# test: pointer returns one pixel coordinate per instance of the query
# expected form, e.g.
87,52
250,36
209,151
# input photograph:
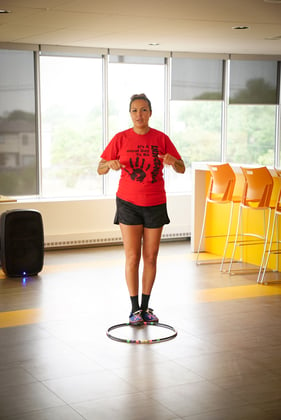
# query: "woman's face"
140,114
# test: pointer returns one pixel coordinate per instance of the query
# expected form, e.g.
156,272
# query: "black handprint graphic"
138,173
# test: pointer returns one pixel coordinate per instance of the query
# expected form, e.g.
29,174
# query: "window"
129,75
196,132
84,101
196,79
252,112
71,110
196,113
17,120
251,134
25,139
253,82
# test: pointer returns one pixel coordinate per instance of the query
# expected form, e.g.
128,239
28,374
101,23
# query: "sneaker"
148,316
135,318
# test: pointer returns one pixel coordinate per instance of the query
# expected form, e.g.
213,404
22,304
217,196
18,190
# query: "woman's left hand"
177,164
168,159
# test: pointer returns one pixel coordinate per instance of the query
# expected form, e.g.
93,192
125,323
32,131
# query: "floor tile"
239,413
128,407
194,398
100,384
157,375
21,399
57,413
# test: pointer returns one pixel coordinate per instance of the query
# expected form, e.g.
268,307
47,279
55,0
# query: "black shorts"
150,217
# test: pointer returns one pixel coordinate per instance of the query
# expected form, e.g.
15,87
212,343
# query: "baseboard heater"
99,239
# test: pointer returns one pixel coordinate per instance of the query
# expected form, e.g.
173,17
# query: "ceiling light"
154,44
240,27
4,11
273,38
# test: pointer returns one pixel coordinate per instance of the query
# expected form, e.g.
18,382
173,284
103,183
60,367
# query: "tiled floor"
56,362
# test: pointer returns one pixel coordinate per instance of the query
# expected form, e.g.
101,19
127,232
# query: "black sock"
135,303
144,302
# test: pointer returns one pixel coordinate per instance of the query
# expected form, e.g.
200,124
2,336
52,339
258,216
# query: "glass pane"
17,124
124,81
251,134
196,132
196,79
71,107
136,59
253,82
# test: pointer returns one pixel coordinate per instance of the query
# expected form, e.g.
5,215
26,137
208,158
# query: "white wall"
90,221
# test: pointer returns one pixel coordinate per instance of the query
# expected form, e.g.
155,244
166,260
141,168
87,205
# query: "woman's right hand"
115,165
105,165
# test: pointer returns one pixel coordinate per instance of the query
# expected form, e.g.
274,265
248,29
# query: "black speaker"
22,242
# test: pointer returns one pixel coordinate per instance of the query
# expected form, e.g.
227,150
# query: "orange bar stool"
274,242
221,187
256,198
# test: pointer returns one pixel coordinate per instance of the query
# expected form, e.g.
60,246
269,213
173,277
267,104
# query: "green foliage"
196,127
251,134
21,115
196,130
257,91
76,145
21,181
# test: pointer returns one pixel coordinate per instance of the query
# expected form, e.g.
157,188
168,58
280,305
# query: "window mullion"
225,102
278,119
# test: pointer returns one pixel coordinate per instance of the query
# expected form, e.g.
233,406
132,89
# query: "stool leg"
266,227
202,232
236,237
227,236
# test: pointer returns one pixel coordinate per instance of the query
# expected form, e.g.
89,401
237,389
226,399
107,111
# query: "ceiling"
177,25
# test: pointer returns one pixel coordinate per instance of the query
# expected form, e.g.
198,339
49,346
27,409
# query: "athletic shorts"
150,217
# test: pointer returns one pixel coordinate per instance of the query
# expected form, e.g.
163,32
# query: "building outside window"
18,175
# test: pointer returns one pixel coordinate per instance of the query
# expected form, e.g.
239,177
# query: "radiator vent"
82,243
77,241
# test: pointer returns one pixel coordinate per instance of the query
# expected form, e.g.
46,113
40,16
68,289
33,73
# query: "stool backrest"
278,203
257,187
222,182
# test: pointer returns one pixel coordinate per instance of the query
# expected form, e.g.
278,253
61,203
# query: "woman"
140,153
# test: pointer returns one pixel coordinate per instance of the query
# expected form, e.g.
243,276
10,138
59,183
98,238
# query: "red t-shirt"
141,180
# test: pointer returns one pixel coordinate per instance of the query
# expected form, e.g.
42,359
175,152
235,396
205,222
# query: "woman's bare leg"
151,242
132,239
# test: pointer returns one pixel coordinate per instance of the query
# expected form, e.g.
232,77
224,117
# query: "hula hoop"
151,341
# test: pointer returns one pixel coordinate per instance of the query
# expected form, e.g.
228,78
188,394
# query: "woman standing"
140,153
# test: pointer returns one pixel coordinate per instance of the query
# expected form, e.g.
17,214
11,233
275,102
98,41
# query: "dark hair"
140,96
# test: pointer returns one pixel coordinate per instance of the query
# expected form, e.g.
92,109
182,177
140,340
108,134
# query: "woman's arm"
177,164
105,165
